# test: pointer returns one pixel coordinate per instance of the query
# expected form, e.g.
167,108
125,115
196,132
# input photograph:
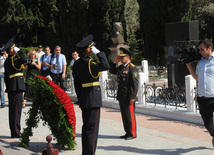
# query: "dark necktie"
57,62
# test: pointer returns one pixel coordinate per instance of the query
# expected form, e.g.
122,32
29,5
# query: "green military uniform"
127,76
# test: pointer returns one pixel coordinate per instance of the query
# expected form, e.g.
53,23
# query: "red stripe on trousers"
133,120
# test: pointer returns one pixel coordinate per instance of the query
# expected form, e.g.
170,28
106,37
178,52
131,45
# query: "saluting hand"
117,59
131,101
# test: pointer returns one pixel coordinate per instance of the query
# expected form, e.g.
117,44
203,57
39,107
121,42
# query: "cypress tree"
153,16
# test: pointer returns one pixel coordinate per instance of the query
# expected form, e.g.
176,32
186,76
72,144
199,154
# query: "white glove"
95,50
16,49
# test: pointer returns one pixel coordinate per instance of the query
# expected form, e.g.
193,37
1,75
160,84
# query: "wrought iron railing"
172,96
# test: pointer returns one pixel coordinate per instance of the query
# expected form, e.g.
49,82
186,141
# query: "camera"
29,60
55,66
189,53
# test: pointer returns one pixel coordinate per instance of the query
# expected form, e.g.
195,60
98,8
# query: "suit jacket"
85,71
13,65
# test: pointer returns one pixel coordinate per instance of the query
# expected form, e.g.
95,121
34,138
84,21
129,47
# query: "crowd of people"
86,72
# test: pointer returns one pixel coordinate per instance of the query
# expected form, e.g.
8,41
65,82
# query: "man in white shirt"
57,64
39,53
3,57
204,75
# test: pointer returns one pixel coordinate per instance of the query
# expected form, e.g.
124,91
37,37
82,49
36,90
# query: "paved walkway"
155,136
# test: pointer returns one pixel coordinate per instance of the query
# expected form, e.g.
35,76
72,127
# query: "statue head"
118,27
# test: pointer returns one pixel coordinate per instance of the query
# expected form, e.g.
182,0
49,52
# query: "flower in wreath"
51,104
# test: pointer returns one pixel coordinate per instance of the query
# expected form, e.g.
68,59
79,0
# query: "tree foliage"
204,12
65,22
153,16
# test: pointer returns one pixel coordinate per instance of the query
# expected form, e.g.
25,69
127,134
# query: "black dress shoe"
129,138
124,136
2,106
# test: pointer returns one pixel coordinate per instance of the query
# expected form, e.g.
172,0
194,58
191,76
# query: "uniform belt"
16,74
90,84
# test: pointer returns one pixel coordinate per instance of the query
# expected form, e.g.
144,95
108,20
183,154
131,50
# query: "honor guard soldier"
127,75
86,72
15,85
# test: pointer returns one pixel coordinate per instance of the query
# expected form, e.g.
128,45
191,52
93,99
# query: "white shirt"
60,64
39,54
205,72
2,60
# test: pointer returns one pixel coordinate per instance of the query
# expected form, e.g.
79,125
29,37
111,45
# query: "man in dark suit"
86,72
127,75
15,85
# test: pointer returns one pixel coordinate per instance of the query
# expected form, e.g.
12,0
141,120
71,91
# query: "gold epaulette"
132,64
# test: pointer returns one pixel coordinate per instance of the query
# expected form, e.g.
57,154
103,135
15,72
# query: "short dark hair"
57,46
47,47
74,52
206,42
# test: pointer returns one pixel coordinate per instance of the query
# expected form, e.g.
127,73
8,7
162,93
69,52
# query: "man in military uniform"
127,75
86,72
15,85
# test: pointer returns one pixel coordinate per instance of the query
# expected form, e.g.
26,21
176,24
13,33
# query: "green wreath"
54,107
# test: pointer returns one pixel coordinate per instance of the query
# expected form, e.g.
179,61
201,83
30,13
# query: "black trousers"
90,129
15,110
206,108
57,78
128,116
45,72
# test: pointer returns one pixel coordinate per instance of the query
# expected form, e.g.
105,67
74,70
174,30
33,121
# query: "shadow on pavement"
152,151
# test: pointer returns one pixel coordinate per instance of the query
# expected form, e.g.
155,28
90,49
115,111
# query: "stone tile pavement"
155,136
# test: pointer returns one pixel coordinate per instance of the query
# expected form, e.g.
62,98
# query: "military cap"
40,46
124,52
9,45
86,42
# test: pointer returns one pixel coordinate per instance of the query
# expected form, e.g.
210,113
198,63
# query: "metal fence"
173,96
156,94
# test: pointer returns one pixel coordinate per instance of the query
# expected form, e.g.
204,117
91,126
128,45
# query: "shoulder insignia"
132,64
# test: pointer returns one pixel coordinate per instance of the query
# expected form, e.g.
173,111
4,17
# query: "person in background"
204,75
15,85
127,75
40,52
86,72
57,64
45,71
33,66
75,56
3,57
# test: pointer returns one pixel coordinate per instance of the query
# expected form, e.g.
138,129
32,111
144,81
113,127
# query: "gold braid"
89,67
